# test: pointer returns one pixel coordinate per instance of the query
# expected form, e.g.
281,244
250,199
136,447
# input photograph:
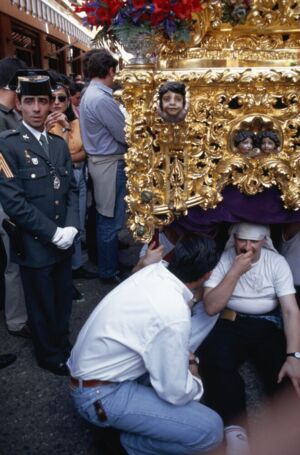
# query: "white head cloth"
249,231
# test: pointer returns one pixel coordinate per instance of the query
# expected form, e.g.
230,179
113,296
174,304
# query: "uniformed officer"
39,194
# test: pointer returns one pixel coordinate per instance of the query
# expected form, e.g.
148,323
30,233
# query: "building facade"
43,33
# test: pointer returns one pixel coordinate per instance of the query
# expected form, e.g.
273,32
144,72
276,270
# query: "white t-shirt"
257,290
142,326
290,249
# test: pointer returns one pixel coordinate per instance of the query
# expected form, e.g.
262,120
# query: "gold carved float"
237,78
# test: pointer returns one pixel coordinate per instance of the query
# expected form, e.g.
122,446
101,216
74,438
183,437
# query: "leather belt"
89,382
230,315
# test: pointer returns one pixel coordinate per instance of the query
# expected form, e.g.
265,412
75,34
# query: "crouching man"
130,364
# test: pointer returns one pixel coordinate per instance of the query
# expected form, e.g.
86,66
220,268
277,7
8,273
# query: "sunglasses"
61,98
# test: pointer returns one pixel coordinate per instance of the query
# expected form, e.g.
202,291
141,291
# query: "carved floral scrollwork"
174,166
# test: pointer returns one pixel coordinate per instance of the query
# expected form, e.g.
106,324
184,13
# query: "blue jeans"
81,185
107,230
148,424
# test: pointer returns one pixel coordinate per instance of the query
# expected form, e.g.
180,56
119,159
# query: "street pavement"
36,415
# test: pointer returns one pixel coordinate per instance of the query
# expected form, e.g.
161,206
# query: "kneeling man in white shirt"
130,366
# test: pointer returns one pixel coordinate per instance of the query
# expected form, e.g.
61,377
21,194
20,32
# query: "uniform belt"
231,315
88,383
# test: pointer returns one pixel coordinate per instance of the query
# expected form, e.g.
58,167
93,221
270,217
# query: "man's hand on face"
242,263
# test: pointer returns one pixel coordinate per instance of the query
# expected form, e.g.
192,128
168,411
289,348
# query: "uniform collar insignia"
25,136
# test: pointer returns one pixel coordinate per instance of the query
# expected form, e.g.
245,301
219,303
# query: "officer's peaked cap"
32,82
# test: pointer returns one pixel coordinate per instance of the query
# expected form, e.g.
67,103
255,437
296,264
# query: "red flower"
161,6
114,6
139,4
104,15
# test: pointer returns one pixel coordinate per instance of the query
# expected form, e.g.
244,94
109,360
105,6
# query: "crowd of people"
189,305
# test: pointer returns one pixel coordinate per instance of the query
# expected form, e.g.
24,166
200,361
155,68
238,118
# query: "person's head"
75,93
269,141
244,141
60,101
33,99
172,98
85,62
194,257
103,65
250,237
78,78
8,68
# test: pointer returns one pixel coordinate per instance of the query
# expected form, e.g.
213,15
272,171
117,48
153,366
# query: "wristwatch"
65,129
196,361
294,354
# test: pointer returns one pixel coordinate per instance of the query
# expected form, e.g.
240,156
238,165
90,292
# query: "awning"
49,13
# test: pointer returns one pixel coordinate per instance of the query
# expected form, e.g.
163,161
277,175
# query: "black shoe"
84,274
76,295
60,369
25,332
7,359
115,280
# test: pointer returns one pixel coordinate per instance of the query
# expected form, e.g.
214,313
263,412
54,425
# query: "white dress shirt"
37,134
142,326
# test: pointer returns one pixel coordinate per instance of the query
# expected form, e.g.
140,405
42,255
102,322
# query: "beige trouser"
15,310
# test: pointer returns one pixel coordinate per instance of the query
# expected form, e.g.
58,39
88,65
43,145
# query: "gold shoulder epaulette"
4,167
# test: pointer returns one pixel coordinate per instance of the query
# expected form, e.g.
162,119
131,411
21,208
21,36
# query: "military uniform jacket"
29,196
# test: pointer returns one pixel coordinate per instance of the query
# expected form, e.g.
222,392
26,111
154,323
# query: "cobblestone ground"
36,416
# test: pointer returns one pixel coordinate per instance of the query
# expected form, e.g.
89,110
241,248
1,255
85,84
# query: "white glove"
57,235
67,237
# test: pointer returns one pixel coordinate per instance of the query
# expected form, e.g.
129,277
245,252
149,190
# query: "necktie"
44,144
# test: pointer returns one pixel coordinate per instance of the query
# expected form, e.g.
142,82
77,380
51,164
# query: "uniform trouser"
15,309
226,348
48,296
148,424
77,260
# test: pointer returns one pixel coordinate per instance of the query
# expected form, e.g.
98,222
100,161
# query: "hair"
193,257
75,87
271,135
242,135
58,79
100,64
69,111
171,86
8,68
85,61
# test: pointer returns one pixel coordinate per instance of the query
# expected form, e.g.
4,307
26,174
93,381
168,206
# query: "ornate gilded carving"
172,167
237,79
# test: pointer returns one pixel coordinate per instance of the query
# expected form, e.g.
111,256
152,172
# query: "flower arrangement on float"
123,20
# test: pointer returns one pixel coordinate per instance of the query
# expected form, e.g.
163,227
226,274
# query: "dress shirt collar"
103,87
183,289
37,134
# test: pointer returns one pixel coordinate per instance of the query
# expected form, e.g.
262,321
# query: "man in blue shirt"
102,127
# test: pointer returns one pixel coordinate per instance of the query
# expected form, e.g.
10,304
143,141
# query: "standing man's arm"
216,299
291,321
72,215
14,202
112,118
